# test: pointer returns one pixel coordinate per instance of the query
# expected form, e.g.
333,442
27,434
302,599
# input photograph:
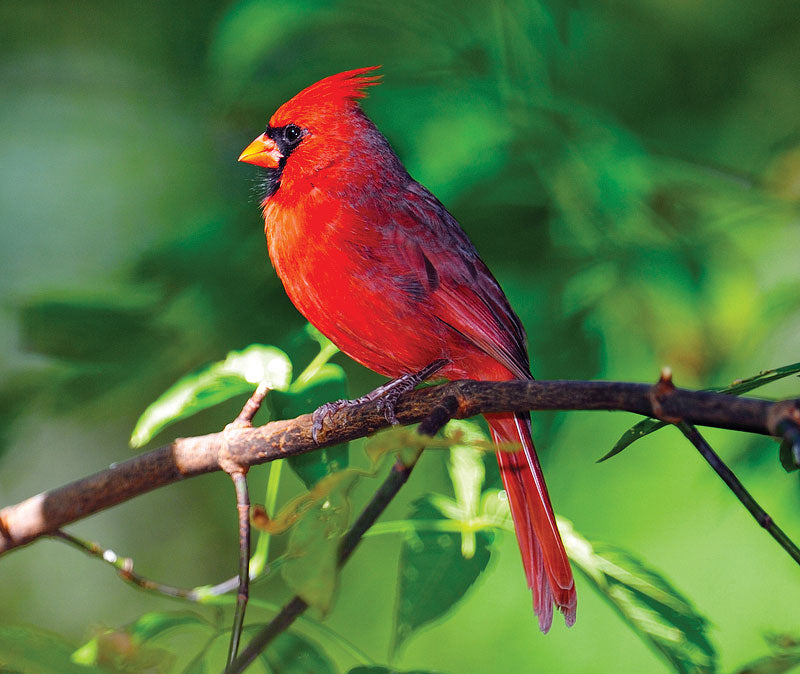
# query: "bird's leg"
386,395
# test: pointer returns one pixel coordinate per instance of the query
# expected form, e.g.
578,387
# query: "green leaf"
786,657
152,625
198,665
644,427
646,601
494,509
434,575
118,651
239,373
467,473
650,425
326,384
25,648
290,653
466,464
94,328
761,379
311,569
129,647
325,344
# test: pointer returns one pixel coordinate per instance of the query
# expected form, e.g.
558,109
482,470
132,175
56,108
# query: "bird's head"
316,127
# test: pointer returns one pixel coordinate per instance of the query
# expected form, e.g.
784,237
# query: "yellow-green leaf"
239,373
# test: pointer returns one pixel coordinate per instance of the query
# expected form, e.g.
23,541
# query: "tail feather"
546,565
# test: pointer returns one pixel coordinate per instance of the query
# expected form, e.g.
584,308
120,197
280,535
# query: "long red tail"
546,566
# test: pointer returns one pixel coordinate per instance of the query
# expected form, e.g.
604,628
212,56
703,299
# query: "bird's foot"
387,396
319,415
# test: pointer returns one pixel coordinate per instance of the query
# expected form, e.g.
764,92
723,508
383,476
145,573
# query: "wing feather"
465,294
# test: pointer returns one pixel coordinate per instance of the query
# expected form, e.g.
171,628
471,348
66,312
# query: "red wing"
461,290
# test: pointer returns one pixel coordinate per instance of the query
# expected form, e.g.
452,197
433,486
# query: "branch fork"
241,446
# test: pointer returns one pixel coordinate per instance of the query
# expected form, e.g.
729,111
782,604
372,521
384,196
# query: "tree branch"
47,512
733,483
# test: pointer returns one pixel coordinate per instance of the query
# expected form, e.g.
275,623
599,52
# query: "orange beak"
263,151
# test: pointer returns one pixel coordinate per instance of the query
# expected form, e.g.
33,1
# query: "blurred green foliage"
629,170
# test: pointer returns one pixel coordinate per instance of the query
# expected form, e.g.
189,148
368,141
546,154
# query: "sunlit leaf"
654,609
467,473
466,463
239,373
311,569
647,426
29,649
494,509
434,575
446,506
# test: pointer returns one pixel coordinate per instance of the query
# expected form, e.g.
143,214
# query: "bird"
373,260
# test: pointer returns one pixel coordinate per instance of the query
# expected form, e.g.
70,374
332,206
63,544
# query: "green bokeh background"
629,170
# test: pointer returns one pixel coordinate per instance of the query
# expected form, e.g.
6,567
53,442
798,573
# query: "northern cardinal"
374,260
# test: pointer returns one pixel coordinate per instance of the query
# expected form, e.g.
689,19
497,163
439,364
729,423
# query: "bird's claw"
319,415
323,412
387,405
386,397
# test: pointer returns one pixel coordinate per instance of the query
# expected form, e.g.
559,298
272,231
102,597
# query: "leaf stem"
326,352
258,562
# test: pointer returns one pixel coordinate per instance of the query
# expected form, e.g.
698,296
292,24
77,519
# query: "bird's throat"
269,181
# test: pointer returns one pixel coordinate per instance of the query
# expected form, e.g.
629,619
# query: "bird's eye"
292,134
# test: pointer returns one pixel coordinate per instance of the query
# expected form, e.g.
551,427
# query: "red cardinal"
373,259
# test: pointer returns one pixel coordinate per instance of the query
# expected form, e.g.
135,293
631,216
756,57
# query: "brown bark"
45,513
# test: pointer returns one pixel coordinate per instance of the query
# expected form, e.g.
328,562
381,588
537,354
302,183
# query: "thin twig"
238,474
251,407
124,567
243,509
738,488
397,477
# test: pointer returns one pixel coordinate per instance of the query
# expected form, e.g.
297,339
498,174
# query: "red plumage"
376,263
